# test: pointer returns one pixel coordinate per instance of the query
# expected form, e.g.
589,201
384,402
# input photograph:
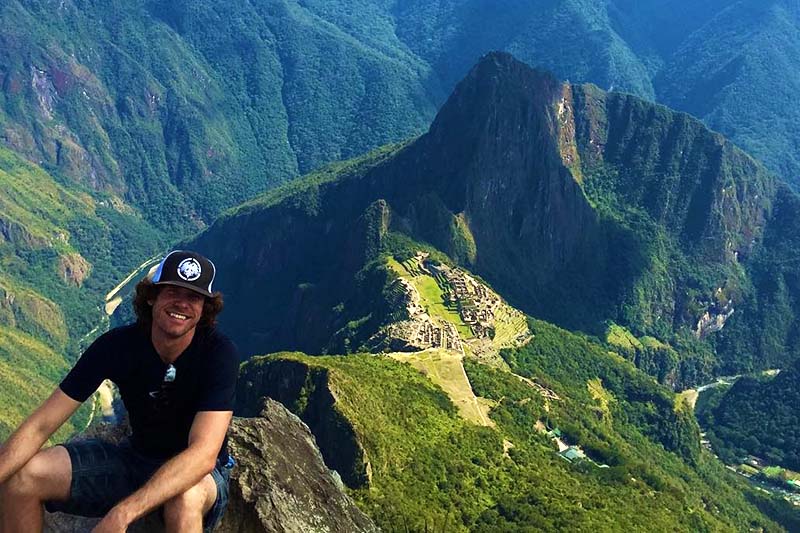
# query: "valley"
478,284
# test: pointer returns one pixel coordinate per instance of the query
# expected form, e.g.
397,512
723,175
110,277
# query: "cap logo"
189,269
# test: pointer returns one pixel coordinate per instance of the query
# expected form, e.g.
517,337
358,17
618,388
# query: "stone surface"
280,484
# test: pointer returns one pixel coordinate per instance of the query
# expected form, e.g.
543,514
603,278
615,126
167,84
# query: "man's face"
176,311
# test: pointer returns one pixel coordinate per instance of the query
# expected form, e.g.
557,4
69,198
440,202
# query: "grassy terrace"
508,326
445,369
431,294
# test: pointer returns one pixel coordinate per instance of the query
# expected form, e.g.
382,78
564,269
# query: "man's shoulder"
216,345
214,338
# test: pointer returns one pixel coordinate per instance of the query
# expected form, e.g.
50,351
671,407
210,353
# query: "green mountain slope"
732,64
578,206
413,463
60,252
184,112
746,53
757,417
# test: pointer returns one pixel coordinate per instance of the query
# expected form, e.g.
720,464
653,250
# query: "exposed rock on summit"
282,484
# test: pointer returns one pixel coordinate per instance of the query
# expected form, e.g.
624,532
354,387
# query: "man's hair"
147,291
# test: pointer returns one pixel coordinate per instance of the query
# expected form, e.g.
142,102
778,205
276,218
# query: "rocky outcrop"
280,483
307,391
73,268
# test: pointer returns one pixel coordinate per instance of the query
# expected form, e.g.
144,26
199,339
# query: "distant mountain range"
185,108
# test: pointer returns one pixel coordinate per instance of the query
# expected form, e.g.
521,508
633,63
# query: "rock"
280,483
73,268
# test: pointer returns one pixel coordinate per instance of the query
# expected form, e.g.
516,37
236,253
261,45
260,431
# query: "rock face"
280,484
576,205
73,269
307,391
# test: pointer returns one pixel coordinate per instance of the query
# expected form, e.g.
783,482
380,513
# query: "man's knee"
46,476
191,504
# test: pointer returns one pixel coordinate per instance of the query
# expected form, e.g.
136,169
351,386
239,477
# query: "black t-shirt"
161,402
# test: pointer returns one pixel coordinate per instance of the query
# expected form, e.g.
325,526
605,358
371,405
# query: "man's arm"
34,432
177,475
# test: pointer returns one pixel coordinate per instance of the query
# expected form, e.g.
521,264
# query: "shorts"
103,474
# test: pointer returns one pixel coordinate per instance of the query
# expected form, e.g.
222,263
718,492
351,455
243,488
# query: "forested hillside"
61,250
413,463
186,108
757,417
183,111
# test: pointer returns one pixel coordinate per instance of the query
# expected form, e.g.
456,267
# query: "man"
177,376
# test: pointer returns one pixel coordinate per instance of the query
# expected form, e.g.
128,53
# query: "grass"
431,294
620,337
28,371
433,301
688,398
508,326
445,369
601,395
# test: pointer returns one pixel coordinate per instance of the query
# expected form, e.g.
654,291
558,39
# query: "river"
690,396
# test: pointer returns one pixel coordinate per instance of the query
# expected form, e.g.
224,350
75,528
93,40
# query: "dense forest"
756,416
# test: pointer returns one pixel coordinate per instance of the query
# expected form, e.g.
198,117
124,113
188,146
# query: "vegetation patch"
445,369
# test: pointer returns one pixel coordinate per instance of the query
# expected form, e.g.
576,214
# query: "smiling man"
176,375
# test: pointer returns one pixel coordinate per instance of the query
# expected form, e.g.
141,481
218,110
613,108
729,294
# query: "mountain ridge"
622,210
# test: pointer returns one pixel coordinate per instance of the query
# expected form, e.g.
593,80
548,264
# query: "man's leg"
184,513
46,476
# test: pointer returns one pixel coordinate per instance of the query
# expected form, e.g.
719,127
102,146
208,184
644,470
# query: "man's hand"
178,474
114,522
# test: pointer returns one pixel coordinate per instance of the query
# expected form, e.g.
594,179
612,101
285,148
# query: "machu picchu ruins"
461,300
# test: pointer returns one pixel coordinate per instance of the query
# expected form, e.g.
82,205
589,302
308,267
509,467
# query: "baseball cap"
186,269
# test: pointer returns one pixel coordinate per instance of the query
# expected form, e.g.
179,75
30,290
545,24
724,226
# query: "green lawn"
431,294
433,301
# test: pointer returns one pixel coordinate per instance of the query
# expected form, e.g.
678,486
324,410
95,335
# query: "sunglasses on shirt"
162,395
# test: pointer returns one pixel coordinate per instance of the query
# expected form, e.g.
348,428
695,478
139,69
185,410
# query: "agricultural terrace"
431,293
446,370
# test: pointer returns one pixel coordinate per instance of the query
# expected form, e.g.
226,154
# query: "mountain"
182,112
413,461
128,125
757,416
578,206
745,52
60,250
597,211
732,64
